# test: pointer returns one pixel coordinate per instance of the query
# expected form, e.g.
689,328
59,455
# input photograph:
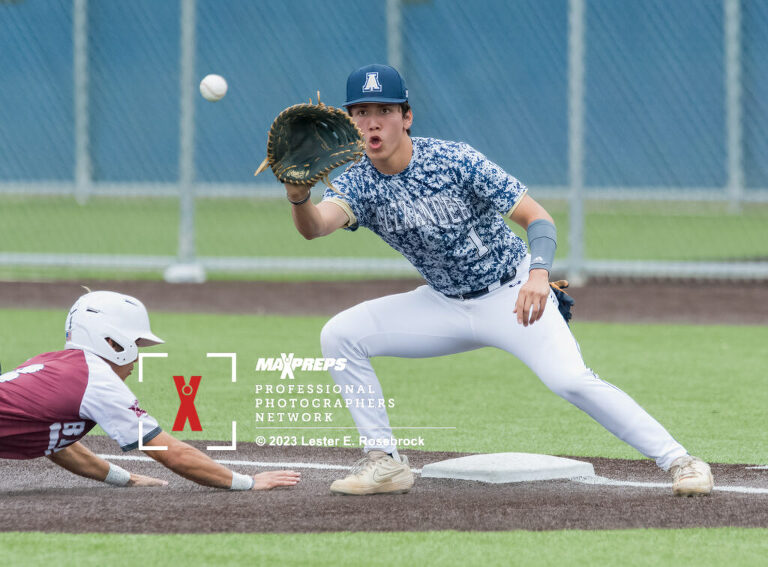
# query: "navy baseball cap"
375,83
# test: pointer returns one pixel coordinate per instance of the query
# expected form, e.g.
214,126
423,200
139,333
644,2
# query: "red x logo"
187,411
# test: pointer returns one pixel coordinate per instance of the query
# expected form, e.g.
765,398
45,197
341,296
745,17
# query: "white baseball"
213,87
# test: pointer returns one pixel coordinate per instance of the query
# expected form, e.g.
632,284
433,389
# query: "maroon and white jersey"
54,399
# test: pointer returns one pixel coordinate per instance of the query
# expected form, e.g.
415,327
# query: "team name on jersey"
404,214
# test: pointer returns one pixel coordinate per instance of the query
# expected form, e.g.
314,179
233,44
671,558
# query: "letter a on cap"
372,83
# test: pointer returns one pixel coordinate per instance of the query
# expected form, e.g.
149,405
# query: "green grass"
702,382
705,383
697,547
263,228
47,274
225,227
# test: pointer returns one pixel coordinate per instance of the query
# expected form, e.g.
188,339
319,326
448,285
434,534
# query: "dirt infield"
715,302
37,495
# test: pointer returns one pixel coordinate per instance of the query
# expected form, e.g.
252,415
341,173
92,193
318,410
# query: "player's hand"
141,480
273,479
296,193
532,298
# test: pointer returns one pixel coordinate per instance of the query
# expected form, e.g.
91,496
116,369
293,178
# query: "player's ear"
408,119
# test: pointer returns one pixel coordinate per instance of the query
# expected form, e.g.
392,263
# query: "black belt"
481,292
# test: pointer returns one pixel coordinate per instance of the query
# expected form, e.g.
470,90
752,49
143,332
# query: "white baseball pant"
424,323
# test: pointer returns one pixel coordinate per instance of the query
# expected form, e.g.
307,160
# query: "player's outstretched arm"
272,479
532,299
313,221
193,464
78,459
528,211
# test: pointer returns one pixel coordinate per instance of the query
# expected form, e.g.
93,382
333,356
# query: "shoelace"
687,469
362,465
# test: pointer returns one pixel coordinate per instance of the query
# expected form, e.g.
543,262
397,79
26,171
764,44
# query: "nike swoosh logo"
385,476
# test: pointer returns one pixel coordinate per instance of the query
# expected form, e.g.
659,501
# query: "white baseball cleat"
691,477
376,473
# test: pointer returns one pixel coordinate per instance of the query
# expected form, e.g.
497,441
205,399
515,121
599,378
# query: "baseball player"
441,204
53,400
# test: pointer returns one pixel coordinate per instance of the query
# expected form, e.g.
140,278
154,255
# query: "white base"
508,467
184,273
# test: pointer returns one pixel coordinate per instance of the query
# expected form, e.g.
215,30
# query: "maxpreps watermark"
313,403
338,441
296,403
288,363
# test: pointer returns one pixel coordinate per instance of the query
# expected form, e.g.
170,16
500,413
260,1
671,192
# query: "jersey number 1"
482,249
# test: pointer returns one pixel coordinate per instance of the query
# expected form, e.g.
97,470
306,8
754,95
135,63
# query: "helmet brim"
149,339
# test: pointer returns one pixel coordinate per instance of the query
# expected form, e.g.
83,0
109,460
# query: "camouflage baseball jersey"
443,213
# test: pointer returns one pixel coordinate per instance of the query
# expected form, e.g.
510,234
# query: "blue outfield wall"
493,73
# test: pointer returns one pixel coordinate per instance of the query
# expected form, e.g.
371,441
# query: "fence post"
82,101
187,269
733,114
576,55
395,34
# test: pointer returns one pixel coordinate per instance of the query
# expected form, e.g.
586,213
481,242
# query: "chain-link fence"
640,125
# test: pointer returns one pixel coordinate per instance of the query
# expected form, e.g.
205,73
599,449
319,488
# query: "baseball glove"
307,141
564,301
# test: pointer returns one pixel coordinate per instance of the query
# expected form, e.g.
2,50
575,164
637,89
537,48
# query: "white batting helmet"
100,315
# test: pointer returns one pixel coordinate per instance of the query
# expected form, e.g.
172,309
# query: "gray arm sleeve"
542,240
